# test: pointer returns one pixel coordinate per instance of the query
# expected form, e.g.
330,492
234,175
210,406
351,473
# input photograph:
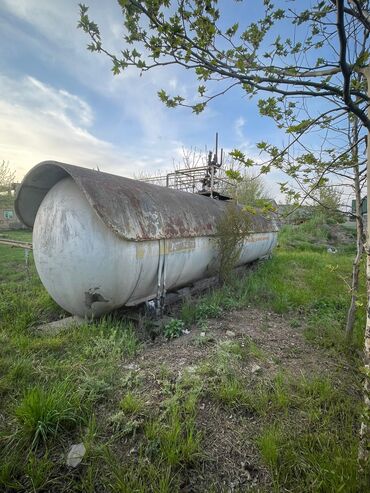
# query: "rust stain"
134,210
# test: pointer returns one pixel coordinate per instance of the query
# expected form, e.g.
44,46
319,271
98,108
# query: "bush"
233,228
173,329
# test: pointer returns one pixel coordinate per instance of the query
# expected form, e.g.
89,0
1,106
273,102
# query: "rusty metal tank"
102,241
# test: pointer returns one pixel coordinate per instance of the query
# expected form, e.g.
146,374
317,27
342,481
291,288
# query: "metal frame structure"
204,180
210,180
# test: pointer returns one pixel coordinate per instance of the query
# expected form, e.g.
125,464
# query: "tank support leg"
161,284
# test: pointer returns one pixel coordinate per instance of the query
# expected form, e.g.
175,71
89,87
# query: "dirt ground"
229,437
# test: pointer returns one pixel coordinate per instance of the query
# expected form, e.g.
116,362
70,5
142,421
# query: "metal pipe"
16,243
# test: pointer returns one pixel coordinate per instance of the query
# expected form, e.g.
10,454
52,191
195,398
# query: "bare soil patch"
231,459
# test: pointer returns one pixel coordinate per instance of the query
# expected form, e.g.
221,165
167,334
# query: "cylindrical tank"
102,241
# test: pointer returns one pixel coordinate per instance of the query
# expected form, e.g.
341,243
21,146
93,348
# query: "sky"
60,102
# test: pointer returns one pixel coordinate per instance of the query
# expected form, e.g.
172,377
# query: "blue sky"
59,101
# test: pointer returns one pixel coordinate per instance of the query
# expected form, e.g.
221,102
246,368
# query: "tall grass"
43,413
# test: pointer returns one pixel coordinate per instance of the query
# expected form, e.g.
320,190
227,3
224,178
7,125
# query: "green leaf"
198,108
233,175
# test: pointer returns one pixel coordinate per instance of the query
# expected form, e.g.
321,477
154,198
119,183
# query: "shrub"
232,229
173,329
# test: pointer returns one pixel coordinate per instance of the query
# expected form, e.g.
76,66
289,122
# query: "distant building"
8,217
363,207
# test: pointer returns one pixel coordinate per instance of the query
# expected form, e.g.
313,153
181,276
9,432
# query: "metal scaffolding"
210,180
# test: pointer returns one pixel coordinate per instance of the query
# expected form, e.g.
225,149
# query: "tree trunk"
354,283
359,235
364,447
363,452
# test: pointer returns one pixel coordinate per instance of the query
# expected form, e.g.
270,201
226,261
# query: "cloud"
48,34
60,104
238,126
39,122
72,108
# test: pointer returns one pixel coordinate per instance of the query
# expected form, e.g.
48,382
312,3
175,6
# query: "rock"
255,368
76,454
131,366
230,333
60,325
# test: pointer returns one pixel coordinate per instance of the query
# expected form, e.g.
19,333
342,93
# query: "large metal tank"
102,241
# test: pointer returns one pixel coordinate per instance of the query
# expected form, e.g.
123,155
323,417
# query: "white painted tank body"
89,270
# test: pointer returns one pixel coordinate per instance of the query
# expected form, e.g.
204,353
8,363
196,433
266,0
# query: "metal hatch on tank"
103,241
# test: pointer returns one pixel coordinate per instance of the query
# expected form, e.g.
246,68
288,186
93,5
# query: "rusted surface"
134,210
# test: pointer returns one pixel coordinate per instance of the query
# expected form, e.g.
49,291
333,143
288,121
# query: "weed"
95,387
188,312
227,354
10,470
164,373
208,310
279,393
113,340
203,339
140,476
252,349
232,391
232,229
17,373
123,425
131,404
131,380
295,323
307,426
320,454
212,305
173,329
315,461
178,439
174,436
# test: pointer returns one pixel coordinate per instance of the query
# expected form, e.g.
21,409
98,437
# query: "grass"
113,339
307,430
131,404
318,457
12,260
148,433
269,445
42,413
309,285
173,437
